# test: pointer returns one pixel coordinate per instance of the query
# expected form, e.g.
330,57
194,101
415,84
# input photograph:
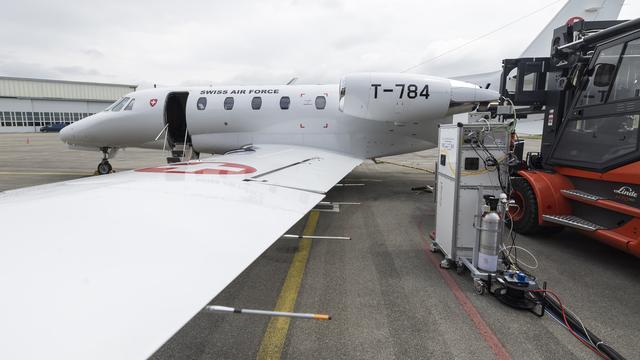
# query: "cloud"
76,70
35,70
259,42
24,69
93,53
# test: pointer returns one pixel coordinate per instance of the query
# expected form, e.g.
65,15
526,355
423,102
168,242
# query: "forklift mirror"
604,74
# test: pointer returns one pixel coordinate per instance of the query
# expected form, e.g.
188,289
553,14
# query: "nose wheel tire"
104,168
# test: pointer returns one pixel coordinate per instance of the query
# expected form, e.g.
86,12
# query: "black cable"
500,178
552,306
479,156
496,164
515,249
513,246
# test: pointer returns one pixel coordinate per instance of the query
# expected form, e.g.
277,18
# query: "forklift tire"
525,217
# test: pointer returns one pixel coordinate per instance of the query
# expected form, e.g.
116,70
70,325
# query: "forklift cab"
601,127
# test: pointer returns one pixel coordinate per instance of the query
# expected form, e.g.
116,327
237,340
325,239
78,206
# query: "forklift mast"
548,86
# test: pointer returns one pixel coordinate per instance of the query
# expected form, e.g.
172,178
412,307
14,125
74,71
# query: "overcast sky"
261,41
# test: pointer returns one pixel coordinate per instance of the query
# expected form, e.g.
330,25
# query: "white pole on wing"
226,309
315,237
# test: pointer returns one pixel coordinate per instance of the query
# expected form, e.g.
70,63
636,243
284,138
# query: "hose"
554,306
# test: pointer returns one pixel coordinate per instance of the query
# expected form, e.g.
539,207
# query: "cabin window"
285,102
256,103
130,105
228,103
202,103
321,102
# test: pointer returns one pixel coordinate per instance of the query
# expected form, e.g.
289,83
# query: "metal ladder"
180,152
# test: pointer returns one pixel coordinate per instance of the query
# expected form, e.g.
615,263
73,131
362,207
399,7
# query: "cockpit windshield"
118,106
130,104
113,104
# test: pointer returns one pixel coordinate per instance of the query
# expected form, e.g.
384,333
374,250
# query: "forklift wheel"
525,216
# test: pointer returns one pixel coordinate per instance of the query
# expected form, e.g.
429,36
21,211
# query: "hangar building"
27,104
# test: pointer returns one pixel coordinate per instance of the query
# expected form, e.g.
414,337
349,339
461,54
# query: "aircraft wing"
110,267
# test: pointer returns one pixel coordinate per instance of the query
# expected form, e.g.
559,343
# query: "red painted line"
489,336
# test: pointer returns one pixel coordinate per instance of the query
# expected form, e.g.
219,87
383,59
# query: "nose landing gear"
105,167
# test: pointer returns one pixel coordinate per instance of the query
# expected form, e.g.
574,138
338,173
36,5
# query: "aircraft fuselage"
367,115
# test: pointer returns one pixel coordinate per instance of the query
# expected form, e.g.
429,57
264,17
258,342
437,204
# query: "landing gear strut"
104,167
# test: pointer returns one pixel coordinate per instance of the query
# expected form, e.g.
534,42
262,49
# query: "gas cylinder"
489,231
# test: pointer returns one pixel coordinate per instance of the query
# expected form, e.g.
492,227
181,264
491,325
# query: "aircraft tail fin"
589,10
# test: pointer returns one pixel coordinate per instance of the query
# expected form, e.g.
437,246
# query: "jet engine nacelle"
408,97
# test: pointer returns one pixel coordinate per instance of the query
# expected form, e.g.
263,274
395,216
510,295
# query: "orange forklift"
587,173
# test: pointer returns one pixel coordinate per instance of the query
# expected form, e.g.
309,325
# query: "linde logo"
626,191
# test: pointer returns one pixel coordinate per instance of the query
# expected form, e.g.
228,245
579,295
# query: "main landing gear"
104,167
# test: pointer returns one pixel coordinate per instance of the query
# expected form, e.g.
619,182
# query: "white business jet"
145,250
367,115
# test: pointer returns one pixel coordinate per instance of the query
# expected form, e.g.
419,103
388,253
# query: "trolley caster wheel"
104,168
445,264
479,287
433,248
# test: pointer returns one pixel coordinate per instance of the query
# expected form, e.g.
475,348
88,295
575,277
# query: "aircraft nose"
63,135
66,135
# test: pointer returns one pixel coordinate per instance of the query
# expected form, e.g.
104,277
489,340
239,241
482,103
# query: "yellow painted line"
14,173
276,334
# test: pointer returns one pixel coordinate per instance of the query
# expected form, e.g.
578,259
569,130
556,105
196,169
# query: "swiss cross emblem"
153,102
202,168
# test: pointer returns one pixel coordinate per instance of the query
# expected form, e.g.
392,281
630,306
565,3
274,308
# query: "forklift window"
599,140
603,75
627,84
597,88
